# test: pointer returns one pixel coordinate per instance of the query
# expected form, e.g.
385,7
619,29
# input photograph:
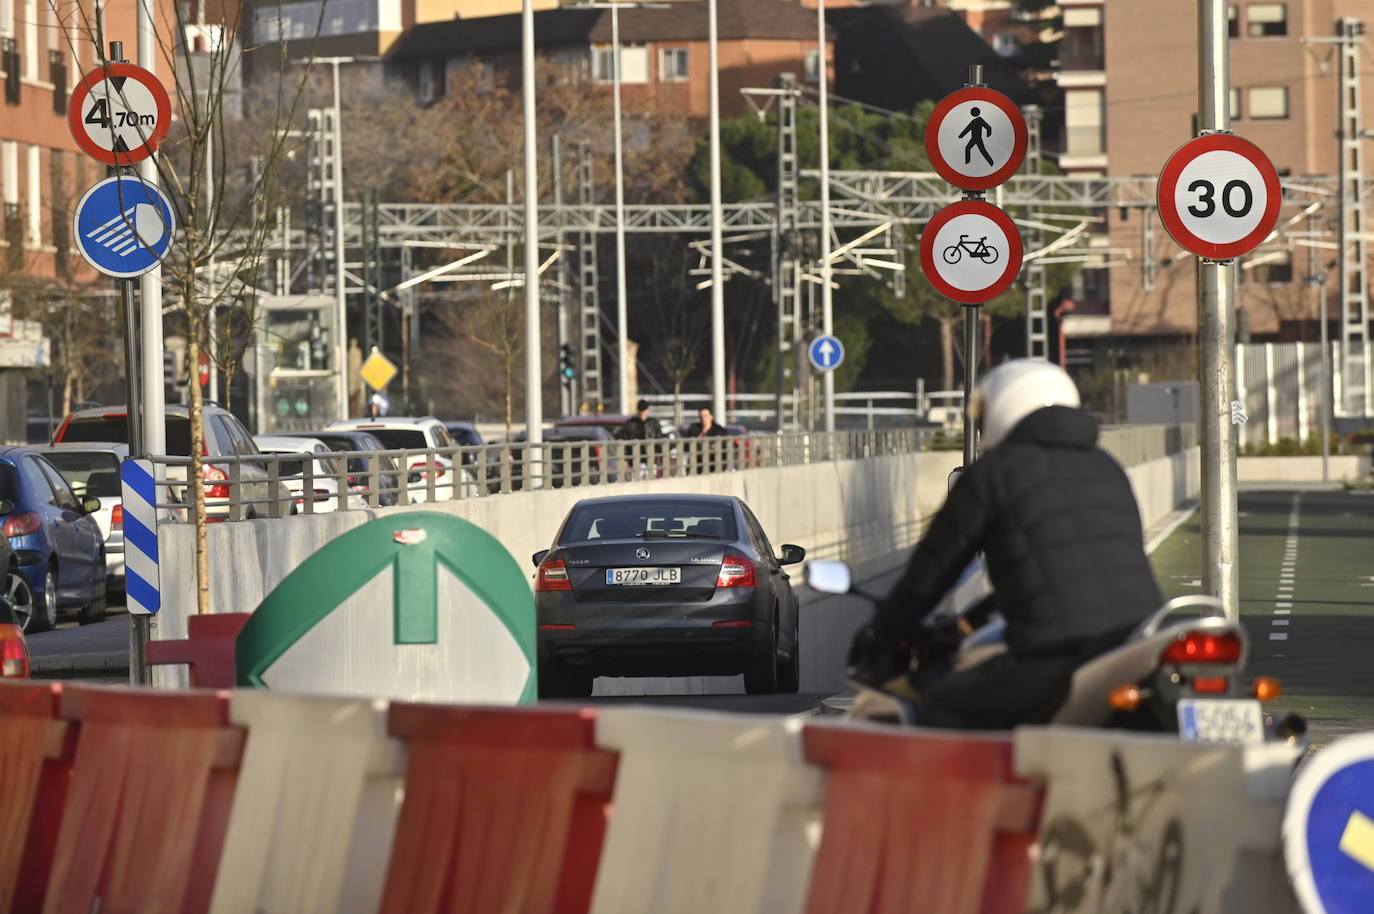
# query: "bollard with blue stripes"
142,582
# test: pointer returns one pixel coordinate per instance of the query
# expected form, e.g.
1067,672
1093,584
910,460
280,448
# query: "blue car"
59,554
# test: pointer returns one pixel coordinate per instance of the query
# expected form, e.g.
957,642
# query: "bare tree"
212,262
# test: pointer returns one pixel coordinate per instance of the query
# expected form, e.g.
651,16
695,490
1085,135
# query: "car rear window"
295,466
88,472
465,436
115,427
9,483
397,438
651,520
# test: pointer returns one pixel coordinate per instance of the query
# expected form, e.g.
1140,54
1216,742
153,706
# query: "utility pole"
1216,340
1354,297
1037,320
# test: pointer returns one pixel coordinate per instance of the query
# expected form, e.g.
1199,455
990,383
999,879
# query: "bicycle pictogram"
979,250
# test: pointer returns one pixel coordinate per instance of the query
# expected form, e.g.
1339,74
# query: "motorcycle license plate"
1220,720
643,576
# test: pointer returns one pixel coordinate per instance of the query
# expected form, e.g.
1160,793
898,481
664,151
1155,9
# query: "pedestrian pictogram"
416,605
377,370
123,226
826,353
119,113
971,251
1219,196
1328,828
976,138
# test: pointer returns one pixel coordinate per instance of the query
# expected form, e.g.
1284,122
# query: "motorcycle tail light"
1210,685
1203,647
1124,698
1266,688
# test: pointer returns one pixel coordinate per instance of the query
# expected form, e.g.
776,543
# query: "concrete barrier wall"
857,510
1343,468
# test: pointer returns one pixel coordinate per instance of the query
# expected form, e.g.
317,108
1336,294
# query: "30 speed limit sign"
119,113
1219,196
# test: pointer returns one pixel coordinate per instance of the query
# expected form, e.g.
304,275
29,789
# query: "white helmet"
1014,390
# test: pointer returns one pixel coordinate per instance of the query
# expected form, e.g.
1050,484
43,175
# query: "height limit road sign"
971,252
976,138
1219,196
119,113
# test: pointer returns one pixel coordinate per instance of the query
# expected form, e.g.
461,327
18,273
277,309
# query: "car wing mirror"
90,504
791,554
6,507
538,557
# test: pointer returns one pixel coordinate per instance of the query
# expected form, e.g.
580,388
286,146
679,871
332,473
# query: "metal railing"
243,487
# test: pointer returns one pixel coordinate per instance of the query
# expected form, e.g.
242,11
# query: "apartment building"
664,51
1129,73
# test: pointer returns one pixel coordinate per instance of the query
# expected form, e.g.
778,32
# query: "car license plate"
1220,720
643,575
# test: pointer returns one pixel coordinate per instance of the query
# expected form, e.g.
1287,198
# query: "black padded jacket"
1058,524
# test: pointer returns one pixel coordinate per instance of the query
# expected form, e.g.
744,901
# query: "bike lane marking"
1286,574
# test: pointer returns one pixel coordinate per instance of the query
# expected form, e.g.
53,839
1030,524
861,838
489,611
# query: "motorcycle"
1180,671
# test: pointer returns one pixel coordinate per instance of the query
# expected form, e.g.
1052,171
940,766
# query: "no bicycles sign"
971,252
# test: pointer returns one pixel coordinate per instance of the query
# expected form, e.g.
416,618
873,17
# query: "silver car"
93,469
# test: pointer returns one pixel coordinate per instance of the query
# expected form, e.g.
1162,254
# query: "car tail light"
553,575
736,571
554,627
1201,647
320,495
1210,685
422,468
117,517
14,653
22,524
732,623
213,474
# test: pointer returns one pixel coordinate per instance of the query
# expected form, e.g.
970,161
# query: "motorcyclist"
1056,520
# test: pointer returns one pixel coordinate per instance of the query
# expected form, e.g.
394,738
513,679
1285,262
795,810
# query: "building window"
1081,46
634,63
1235,104
811,65
9,53
57,74
1266,20
1083,122
672,65
1268,102
1232,21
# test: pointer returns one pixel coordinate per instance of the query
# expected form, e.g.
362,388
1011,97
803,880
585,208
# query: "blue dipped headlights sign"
123,226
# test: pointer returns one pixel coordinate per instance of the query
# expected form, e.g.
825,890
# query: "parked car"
575,456
93,469
59,548
225,436
328,480
660,459
359,467
665,585
465,435
418,433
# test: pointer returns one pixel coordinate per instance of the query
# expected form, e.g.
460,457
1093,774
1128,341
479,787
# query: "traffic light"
567,361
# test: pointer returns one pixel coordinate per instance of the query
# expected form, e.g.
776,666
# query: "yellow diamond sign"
378,370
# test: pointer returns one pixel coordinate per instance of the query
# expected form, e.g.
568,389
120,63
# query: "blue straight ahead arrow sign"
826,353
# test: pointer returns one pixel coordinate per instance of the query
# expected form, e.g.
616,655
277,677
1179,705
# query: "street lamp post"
622,349
827,324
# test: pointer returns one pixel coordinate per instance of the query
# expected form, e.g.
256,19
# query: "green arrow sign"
416,547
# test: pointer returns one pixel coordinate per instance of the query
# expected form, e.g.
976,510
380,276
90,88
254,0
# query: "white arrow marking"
826,349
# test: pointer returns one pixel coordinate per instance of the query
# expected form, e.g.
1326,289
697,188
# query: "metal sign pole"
971,314
1216,337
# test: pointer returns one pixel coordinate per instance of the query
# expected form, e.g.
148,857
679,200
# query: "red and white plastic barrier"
196,801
